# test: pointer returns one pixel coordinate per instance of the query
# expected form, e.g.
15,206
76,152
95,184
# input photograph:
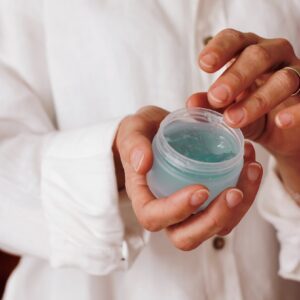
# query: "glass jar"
195,146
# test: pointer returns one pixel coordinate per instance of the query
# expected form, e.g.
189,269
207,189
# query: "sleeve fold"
277,207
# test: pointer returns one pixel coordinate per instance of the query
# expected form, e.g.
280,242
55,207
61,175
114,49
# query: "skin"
254,92
255,95
174,214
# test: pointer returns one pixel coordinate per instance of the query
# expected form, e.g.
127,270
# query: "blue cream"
195,146
201,142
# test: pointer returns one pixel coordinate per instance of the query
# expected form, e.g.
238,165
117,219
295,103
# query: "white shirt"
69,72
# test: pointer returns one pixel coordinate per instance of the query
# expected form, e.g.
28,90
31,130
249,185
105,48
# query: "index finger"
222,214
156,214
223,47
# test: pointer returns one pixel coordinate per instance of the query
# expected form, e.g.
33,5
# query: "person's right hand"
175,212
258,92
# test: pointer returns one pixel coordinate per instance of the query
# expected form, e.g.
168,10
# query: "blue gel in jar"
195,146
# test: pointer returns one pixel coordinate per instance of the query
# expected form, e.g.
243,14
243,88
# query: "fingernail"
220,94
136,159
253,171
199,197
209,60
284,119
234,197
235,115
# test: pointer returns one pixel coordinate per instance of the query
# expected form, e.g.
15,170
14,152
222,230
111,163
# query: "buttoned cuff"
277,206
81,201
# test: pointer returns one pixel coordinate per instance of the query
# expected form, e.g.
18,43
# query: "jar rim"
180,161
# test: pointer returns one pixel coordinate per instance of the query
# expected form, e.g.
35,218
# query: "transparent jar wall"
195,146
163,179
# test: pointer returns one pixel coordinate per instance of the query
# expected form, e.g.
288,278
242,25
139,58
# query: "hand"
255,92
175,213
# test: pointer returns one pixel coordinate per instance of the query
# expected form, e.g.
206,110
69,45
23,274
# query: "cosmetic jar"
195,146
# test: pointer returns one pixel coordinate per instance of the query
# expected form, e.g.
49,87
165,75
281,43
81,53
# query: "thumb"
139,153
134,138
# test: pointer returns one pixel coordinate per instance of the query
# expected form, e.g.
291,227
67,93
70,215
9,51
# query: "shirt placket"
220,269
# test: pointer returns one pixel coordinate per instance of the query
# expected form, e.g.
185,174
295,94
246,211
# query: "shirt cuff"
278,207
81,201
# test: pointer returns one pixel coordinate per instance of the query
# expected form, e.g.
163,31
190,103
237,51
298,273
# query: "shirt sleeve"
59,196
58,192
277,206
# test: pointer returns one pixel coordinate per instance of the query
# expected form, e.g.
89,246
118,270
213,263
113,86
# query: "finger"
135,135
190,233
255,131
288,117
251,63
222,214
249,152
280,86
246,93
224,47
249,183
200,100
156,214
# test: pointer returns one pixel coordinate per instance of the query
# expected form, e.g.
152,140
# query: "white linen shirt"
69,72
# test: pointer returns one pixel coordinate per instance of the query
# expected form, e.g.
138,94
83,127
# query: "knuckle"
237,77
252,36
128,125
215,224
150,224
148,108
151,113
138,121
235,34
134,181
183,243
260,102
287,79
258,52
284,43
130,122
225,231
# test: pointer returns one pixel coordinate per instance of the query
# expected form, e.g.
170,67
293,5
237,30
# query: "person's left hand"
175,213
255,92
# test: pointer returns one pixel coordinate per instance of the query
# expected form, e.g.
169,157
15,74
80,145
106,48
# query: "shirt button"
207,39
218,243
